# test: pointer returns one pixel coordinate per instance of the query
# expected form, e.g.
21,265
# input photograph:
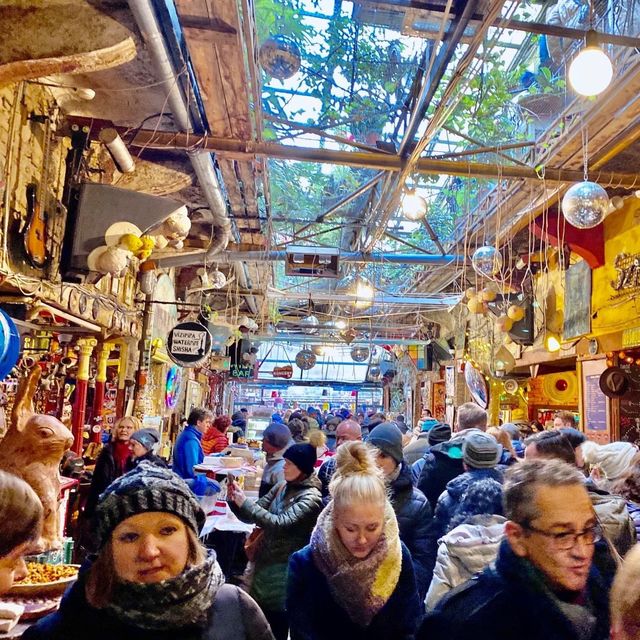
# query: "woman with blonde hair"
509,455
21,517
152,579
355,579
625,598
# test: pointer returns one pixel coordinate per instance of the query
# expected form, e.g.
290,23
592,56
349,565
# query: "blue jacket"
414,516
511,600
187,452
315,615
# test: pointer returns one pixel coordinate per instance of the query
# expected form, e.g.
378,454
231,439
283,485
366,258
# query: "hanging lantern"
305,359
310,324
359,354
585,205
280,57
414,206
486,261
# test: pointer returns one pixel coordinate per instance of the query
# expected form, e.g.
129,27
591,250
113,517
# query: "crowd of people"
364,528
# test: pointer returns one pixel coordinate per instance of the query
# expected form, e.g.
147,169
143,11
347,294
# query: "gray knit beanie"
148,438
481,450
387,438
147,488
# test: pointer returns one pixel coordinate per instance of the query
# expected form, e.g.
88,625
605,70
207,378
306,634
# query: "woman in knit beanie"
142,444
152,579
286,515
355,579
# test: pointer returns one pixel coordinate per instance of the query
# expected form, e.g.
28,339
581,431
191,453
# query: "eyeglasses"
567,540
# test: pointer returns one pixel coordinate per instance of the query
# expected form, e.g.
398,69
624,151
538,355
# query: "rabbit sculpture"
32,449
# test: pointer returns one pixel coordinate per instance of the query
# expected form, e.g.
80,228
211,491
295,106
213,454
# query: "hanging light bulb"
414,207
364,292
591,72
551,342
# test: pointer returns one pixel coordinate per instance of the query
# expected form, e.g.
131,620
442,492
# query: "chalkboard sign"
577,302
241,371
630,407
595,404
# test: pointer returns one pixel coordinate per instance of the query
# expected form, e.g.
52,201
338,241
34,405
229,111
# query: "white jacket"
462,553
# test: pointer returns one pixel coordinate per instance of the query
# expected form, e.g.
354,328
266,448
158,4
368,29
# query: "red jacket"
214,441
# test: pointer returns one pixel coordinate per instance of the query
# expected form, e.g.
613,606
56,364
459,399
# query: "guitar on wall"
35,231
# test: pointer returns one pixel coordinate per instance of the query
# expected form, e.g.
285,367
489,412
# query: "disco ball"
585,205
305,359
310,324
280,57
359,354
374,372
486,261
217,279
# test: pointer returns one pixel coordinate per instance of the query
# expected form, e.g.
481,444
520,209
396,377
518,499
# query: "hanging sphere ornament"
486,261
217,280
280,57
374,372
305,359
414,206
585,205
310,324
359,354
515,313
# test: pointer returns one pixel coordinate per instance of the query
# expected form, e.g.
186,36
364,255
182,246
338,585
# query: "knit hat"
147,488
148,438
430,423
388,438
439,433
481,450
614,458
277,435
303,455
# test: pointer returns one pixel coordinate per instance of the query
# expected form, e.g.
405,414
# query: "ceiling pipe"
145,17
346,257
437,301
336,340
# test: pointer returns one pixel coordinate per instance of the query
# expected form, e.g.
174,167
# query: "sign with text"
241,371
189,343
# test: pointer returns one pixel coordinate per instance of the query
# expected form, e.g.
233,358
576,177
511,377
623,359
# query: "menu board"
595,404
630,407
595,414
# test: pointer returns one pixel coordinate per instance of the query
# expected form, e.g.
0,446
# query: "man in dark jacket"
410,504
617,524
416,449
542,586
444,461
346,431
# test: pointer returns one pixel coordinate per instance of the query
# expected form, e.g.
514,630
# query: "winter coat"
316,615
325,473
416,449
462,553
188,452
414,516
273,472
214,441
233,616
441,464
617,526
452,495
634,512
104,474
511,600
152,458
287,514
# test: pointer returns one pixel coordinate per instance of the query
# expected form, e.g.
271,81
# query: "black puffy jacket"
414,515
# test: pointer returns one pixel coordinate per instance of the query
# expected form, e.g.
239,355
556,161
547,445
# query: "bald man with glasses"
543,585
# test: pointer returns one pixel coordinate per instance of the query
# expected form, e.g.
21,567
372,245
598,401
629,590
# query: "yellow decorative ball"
471,293
475,305
130,242
515,312
489,293
504,323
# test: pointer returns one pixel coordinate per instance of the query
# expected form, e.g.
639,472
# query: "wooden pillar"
98,399
86,346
